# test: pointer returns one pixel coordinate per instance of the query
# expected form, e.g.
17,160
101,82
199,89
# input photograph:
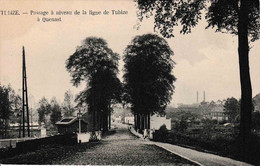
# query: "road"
122,148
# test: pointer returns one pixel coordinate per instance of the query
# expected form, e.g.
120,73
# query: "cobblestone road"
122,148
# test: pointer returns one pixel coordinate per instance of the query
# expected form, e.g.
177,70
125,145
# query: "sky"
205,60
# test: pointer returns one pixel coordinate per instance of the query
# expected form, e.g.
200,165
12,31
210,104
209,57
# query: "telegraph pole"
25,99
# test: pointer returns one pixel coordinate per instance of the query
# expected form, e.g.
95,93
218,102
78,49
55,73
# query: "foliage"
92,56
208,128
231,108
221,14
256,120
239,17
148,78
68,108
55,111
183,124
16,105
43,110
95,63
256,102
10,108
219,144
5,104
5,109
161,134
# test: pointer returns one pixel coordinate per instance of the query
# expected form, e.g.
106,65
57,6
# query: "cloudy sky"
206,61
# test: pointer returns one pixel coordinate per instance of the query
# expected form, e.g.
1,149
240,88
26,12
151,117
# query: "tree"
148,79
16,106
68,104
256,120
5,108
95,63
44,110
55,111
256,102
161,134
183,124
239,17
231,108
208,127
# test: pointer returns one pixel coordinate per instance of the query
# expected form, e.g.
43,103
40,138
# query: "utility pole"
20,124
25,98
31,122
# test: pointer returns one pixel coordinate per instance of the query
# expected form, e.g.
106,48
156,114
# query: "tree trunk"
97,121
105,120
109,119
246,89
100,116
137,121
142,122
94,119
149,121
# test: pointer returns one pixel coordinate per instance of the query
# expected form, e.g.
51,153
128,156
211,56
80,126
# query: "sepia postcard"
100,82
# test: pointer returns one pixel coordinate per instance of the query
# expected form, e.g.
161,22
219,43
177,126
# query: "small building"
117,119
129,120
70,125
157,121
216,113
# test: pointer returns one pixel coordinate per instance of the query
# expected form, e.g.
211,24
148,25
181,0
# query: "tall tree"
148,76
231,108
239,17
95,63
44,110
55,111
16,107
5,108
68,104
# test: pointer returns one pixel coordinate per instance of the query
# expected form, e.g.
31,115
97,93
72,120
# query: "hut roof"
69,120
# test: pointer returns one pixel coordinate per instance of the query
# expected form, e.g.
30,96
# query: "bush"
161,134
220,144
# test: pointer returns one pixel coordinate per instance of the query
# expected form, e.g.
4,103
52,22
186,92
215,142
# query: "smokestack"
204,96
